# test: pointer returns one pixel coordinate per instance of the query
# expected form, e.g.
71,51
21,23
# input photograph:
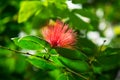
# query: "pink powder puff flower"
59,35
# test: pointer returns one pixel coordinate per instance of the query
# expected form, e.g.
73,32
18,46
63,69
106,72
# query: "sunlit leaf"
27,9
30,42
41,63
15,40
56,61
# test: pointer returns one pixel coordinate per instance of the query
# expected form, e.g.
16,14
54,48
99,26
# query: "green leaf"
86,46
78,23
79,1
76,65
108,59
56,61
10,63
27,9
87,13
65,76
71,54
96,67
41,63
110,51
20,64
15,40
31,43
109,62
45,13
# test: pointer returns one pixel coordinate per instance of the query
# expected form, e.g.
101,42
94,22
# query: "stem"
101,47
77,74
26,53
83,52
47,51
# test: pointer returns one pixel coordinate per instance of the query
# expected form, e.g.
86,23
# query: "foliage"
29,57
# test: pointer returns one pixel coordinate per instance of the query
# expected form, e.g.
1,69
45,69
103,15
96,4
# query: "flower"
59,35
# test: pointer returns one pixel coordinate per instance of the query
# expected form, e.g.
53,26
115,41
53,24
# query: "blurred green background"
97,20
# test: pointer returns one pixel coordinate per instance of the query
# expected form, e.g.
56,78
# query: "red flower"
59,35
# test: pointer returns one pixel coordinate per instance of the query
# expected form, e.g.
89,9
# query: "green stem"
101,47
77,74
26,53
48,55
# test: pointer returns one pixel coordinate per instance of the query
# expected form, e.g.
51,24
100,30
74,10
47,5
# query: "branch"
26,53
77,74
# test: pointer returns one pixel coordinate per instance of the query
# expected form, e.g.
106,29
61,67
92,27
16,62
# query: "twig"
26,53
101,47
77,74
